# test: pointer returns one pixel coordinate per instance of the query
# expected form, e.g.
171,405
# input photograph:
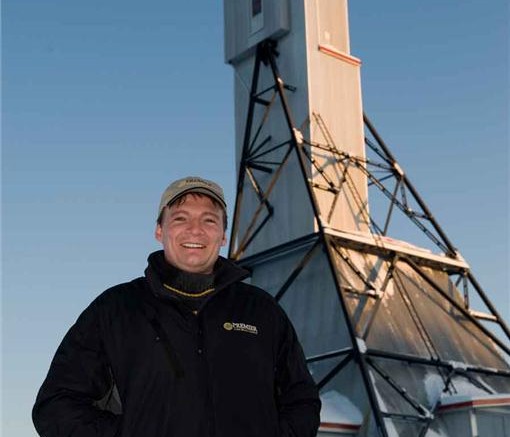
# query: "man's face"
192,234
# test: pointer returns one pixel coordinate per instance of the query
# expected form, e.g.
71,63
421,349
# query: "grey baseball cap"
191,184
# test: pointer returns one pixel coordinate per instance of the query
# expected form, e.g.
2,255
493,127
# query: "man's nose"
195,226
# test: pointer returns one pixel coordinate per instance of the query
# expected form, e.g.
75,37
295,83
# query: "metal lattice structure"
388,324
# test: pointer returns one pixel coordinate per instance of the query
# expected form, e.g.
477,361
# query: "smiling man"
187,350
191,229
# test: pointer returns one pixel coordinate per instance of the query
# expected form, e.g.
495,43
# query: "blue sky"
105,102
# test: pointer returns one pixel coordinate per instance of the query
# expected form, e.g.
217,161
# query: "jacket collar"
226,272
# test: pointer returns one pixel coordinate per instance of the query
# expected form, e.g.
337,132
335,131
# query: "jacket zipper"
173,359
201,350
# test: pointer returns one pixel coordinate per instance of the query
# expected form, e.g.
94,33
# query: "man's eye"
179,219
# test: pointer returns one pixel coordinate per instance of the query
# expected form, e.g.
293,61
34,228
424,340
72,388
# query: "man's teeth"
193,245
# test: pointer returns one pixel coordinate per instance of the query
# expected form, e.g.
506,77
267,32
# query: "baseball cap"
191,184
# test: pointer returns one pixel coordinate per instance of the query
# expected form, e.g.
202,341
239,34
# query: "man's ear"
158,233
224,239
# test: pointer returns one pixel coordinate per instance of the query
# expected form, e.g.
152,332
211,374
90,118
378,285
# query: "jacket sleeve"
297,396
79,377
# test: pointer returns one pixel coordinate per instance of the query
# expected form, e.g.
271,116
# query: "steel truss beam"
402,196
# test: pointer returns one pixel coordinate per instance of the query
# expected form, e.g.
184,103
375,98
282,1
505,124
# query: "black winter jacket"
235,369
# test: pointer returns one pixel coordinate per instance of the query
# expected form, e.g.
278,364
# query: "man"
189,350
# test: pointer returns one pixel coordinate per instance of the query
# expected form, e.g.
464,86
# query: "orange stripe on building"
476,403
339,426
340,55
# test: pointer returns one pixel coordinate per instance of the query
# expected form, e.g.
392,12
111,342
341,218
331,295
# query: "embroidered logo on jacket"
243,327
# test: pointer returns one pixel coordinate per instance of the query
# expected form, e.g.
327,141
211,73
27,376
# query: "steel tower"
398,334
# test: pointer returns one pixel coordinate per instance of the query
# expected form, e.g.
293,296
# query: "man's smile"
193,245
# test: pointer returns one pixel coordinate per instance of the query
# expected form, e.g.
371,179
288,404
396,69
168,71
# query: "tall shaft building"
330,224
